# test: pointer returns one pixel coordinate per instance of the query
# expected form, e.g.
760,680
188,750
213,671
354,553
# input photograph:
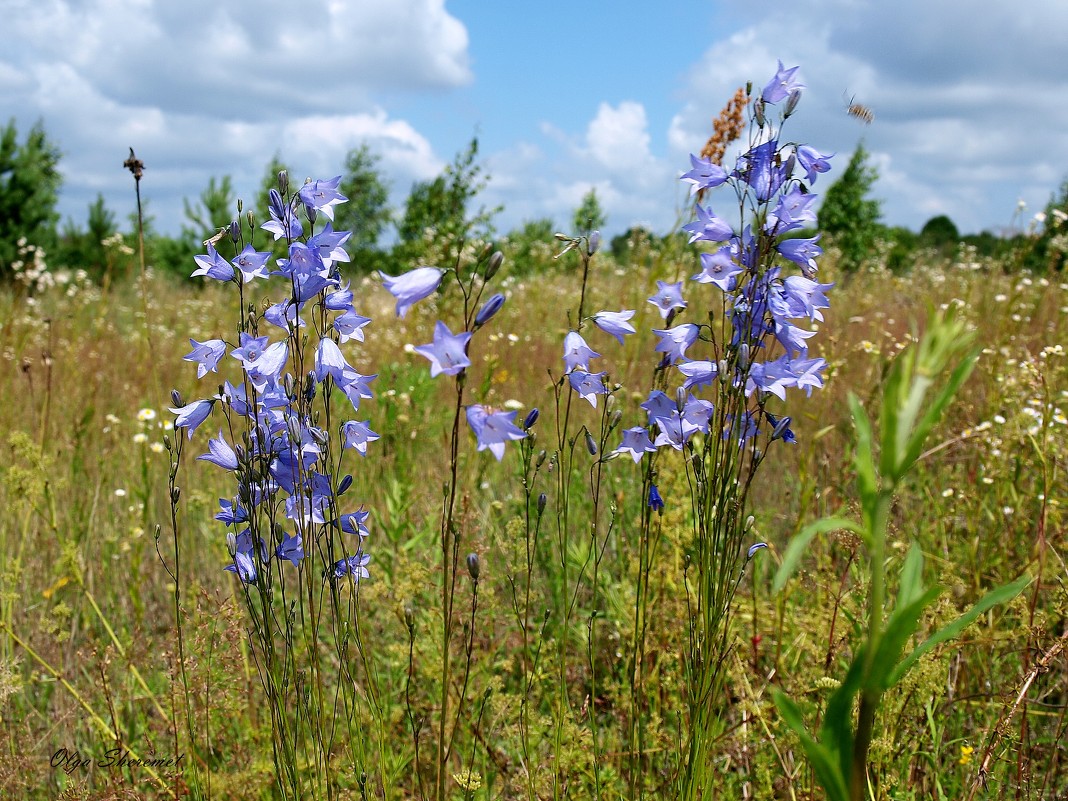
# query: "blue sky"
969,96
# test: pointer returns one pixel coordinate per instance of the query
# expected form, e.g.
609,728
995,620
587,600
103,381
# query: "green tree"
215,209
902,252
848,216
437,221
367,211
85,249
939,232
589,216
530,247
623,245
1047,249
29,190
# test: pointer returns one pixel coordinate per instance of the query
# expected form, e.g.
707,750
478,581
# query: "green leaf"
800,542
951,631
890,414
837,729
899,628
862,459
934,411
822,761
911,585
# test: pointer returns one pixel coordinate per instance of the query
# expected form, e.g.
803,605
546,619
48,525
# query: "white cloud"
201,88
248,57
619,137
322,138
612,156
963,94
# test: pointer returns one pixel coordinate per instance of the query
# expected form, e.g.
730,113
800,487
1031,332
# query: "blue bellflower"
636,443
220,453
413,286
703,174
674,341
213,266
358,435
206,354
577,353
493,429
322,196
354,566
615,323
251,263
192,415
448,352
244,566
588,385
668,297
656,503
719,268
782,84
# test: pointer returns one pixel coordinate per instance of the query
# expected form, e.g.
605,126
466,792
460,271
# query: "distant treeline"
443,214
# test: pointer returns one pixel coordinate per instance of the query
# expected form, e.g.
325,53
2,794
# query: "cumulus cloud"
965,94
612,156
961,92
247,58
201,88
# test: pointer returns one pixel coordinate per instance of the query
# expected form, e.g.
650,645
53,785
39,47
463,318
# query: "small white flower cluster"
31,269
116,242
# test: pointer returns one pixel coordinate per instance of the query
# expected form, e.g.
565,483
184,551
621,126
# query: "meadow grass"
89,656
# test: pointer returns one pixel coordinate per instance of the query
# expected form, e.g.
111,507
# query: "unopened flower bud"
409,616
235,231
293,428
283,181
615,419
166,442
489,308
346,482
494,264
788,168
250,217
591,446
176,398
176,493
541,458
791,103
531,419
473,566
231,544
593,242
780,428
754,548
312,213
749,521
680,398
542,500
743,356
721,366
309,386
758,111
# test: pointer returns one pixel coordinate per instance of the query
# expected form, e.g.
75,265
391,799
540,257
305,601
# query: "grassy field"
89,658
